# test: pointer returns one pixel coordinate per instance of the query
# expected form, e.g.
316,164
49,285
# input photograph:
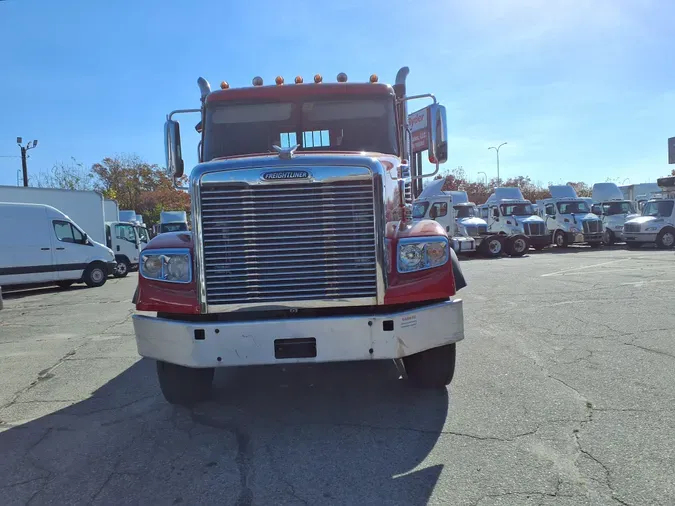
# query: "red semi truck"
302,247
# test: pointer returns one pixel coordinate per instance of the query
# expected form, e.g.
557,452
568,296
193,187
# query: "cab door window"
125,233
66,232
550,209
439,209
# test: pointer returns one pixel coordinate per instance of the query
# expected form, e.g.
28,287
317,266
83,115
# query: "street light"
24,150
486,179
497,151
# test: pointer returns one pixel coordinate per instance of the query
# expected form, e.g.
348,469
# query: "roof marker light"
257,81
342,77
318,78
298,80
373,78
279,80
224,85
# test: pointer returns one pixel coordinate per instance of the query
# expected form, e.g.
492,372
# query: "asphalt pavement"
564,394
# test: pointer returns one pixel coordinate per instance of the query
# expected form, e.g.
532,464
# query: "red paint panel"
294,91
169,297
430,284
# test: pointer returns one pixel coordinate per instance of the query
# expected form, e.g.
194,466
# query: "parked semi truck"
656,225
172,221
452,209
614,210
511,216
130,216
302,248
569,219
87,210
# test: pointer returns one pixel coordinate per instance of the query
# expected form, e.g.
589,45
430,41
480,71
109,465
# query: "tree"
72,176
582,189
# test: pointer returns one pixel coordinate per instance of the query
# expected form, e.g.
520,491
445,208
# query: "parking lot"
564,394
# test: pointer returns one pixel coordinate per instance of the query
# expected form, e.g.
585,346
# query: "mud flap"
460,282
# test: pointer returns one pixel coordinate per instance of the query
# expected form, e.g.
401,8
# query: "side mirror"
438,134
85,238
174,158
433,214
495,212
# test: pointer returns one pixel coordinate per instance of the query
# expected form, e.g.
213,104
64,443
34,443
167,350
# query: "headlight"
170,265
651,229
417,254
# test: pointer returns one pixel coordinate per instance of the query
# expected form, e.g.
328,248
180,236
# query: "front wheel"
433,369
608,238
182,385
95,275
666,238
122,268
560,239
518,246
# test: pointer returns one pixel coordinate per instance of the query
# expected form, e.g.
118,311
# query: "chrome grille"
534,229
631,228
475,230
592,226
288,242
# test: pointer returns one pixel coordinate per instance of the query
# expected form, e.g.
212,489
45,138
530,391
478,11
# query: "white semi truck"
609,204
173,221
569,219
459,217
87,209
130,216
656,225
510,215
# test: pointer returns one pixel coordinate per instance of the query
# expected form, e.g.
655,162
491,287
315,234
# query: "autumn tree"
582,189
68,176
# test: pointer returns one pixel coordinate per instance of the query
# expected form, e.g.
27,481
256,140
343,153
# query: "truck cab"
656,225
510,215
613,209
302,247
123,238
569,219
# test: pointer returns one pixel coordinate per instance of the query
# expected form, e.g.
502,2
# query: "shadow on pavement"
329,434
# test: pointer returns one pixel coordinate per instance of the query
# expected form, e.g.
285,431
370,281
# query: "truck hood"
582,217
643,219
530,219
471,221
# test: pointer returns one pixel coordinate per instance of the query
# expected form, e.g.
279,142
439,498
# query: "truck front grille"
288,242
592,226
631,228
535,229
475,230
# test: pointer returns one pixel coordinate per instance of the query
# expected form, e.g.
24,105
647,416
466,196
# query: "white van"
39,244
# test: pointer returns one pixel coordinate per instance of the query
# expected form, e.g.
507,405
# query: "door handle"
45,249
118,247
60,248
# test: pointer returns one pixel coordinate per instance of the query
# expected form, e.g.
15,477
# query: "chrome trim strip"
318,165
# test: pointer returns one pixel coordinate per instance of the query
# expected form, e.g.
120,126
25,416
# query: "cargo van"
41,245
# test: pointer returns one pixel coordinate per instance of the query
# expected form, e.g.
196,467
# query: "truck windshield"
659,208
172,227
464,211
612,208
420,209
517,209
327,124
578,207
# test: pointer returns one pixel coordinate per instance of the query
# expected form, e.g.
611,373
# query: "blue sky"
580,89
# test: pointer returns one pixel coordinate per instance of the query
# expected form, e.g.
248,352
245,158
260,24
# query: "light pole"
24,150
486,179
497,151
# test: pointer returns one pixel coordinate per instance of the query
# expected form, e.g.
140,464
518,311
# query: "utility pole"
24,150
497,150
486,178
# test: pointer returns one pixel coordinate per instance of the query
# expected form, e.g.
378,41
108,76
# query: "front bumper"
640,236
110,267
581,238
335,339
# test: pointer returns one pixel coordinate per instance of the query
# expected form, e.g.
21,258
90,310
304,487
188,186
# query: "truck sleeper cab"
41,245
302,246
656,225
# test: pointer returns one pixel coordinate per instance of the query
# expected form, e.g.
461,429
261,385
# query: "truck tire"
95,275
182,385
518,245
608,238
492,246
432,368
560,239
122,268
666,238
